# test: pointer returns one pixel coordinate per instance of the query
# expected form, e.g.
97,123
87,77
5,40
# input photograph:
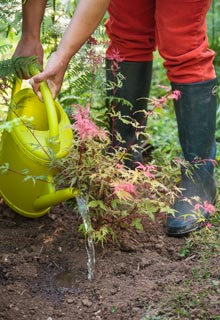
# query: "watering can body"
29,153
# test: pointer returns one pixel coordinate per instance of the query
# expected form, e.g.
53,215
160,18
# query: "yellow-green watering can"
30,149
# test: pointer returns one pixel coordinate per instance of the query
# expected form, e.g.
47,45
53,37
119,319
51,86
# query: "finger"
53,88
40,96
40,77
36,88
34,85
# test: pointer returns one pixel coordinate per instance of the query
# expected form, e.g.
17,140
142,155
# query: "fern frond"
17,67
78,76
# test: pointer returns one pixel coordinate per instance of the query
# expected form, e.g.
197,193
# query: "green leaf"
137,224
97,203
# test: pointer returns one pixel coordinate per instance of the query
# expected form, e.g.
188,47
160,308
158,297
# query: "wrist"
63,55
30,36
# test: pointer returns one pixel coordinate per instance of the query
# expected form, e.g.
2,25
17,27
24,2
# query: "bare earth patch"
43,273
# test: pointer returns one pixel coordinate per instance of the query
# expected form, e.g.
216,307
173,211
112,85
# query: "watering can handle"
50,109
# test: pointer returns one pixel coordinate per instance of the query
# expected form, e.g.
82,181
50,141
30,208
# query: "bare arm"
85,20
32,16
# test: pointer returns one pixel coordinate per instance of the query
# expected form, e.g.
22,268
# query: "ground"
43,273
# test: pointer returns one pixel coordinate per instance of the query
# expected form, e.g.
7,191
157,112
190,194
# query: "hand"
53,74
28,47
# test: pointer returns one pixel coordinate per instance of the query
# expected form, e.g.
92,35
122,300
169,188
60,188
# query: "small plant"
117,196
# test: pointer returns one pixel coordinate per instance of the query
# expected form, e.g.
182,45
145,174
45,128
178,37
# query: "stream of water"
90,249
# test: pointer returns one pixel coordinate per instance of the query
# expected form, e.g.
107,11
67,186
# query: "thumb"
38,78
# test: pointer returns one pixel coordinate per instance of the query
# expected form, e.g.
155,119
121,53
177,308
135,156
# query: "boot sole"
185,232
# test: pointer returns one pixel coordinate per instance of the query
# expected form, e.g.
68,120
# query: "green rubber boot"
196,119
135,90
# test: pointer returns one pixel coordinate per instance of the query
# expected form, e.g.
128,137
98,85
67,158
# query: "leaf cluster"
95,171
17,66
13,68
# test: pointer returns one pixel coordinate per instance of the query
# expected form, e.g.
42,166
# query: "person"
135,29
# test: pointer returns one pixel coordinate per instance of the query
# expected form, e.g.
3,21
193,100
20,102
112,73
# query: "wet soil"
43,273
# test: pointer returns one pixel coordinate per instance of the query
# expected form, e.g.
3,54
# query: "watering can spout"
51,199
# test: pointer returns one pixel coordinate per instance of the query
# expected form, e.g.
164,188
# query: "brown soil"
43,273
